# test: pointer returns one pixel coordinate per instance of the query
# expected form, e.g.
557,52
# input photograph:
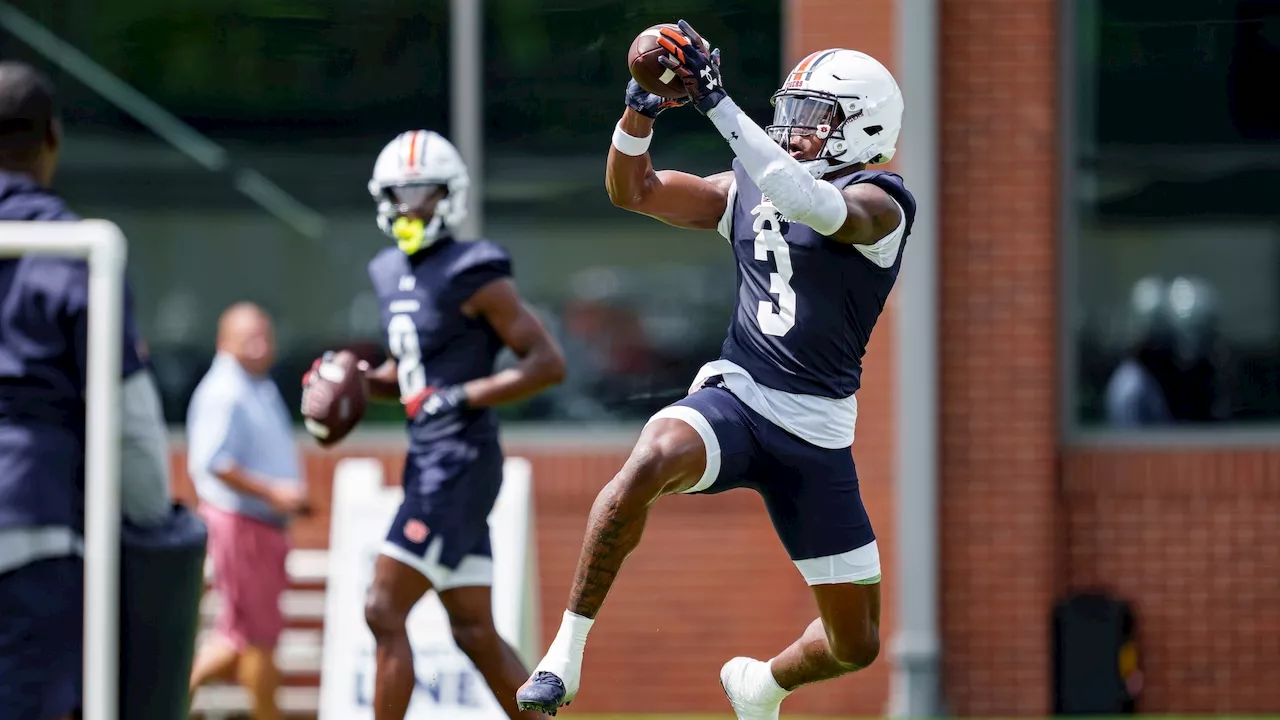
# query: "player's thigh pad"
442,529
727,430
813,498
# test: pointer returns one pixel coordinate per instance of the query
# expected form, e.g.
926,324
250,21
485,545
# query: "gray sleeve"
145,493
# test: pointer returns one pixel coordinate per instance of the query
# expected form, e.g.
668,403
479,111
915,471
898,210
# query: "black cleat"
543,692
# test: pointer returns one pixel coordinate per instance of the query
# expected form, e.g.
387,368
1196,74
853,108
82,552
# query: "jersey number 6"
769,240
402,338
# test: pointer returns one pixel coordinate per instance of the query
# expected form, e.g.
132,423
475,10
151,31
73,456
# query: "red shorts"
249,573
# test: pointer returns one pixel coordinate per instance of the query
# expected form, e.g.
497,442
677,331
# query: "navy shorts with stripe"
811,493
450,488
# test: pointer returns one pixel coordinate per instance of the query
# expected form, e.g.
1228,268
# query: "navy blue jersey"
434,343
806,304
43,360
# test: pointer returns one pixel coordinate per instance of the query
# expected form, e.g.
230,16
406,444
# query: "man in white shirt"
248,475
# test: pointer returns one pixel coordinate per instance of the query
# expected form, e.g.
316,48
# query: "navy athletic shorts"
811,492
442,527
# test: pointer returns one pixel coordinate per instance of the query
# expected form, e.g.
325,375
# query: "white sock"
767,684
564,657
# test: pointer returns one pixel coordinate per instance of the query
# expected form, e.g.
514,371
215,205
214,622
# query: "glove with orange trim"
697,69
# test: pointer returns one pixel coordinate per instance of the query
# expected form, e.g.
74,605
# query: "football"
642,61
336,399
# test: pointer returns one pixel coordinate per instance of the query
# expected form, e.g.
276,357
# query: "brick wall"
998,258
1192,538
1189,536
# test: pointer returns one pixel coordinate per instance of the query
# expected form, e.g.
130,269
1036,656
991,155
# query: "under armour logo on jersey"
707,76
408,282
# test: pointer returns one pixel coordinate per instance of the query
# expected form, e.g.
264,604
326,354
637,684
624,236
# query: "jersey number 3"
402,339
769,240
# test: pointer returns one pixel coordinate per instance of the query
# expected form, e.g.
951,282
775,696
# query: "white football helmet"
846,98
410,169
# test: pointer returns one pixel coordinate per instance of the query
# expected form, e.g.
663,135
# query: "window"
1175,294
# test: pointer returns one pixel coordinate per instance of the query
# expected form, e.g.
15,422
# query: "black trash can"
1095,656
161,584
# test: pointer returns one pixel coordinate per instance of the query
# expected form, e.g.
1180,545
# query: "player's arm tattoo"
621,510
873,215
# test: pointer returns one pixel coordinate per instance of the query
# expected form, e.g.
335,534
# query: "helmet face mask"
804,113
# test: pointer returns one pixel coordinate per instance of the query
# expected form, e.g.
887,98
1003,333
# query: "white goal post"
103,245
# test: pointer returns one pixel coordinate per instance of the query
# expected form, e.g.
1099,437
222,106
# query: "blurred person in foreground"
248,475
818,240
43,362
449,305
1170,373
